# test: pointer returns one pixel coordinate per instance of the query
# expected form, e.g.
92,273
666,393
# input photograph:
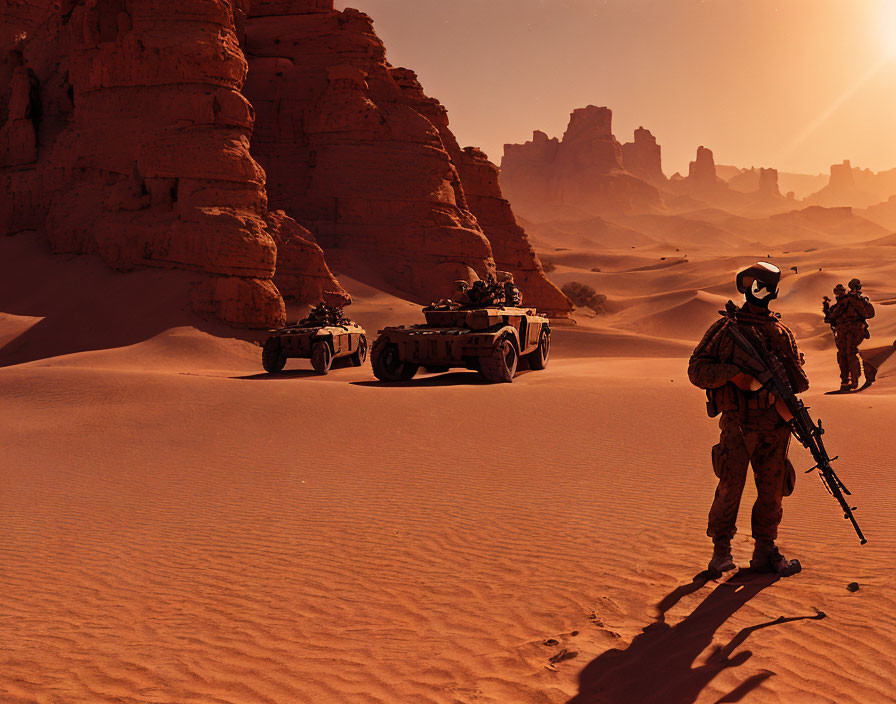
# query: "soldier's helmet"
839,289
855,285
767,275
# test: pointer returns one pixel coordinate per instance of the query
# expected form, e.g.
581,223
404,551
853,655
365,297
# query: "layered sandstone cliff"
125,135
125,132
483,197
580,175
357,153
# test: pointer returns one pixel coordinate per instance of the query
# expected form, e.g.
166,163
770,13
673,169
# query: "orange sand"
179,527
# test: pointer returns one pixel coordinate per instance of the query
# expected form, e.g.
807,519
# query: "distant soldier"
512,295
478,293
848,320
318,315
753,432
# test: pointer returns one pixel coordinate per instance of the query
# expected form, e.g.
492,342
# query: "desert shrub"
584,296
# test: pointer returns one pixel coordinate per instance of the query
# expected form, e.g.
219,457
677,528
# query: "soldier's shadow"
658,666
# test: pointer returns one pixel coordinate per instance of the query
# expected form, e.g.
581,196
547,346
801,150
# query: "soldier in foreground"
848,318
753,431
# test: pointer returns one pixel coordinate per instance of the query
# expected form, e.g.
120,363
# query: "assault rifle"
768,370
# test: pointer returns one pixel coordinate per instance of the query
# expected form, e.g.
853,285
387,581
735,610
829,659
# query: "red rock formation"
581,175
129,121
703,187
358,154
644,157
768,183
510,244
763,182
349,159
743,180
18,18
125,135
702,177
482,196
841,190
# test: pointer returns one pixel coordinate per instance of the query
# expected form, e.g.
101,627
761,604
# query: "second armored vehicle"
480,333
325,335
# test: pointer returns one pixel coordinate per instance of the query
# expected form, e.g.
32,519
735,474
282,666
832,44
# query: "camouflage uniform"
752,430
848,318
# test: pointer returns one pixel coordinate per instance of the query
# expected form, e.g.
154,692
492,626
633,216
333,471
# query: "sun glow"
888,27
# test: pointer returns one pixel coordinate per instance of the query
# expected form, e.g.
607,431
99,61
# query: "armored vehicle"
325,335
479,332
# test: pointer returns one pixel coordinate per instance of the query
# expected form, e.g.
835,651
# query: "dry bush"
584,296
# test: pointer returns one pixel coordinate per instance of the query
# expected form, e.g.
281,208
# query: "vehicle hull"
464,346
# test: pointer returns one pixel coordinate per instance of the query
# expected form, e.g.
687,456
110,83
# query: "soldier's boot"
721,561
767,558
855,371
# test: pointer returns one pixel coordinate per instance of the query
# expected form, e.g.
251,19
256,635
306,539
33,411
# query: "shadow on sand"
82,305
285,374
444,379
658,666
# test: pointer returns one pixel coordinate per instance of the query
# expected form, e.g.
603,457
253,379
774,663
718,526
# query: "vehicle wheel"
500,365
385,358
539,358
360,355
272,358
321,357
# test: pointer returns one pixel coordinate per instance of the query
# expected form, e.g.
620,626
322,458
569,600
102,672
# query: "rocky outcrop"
768,183
510,244
482,195
125,132
742,180
350,160
360,156
580,175
126,135
19,18
842,190
644,157
302,273
702,179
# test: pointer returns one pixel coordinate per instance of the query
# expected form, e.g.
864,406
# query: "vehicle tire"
272,357
500,365
385,358
539,358
360,355
321,357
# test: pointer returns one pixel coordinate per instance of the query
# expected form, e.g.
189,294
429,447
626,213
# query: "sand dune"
181,527
226,537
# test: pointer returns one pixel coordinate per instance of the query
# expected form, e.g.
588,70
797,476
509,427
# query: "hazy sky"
794,84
